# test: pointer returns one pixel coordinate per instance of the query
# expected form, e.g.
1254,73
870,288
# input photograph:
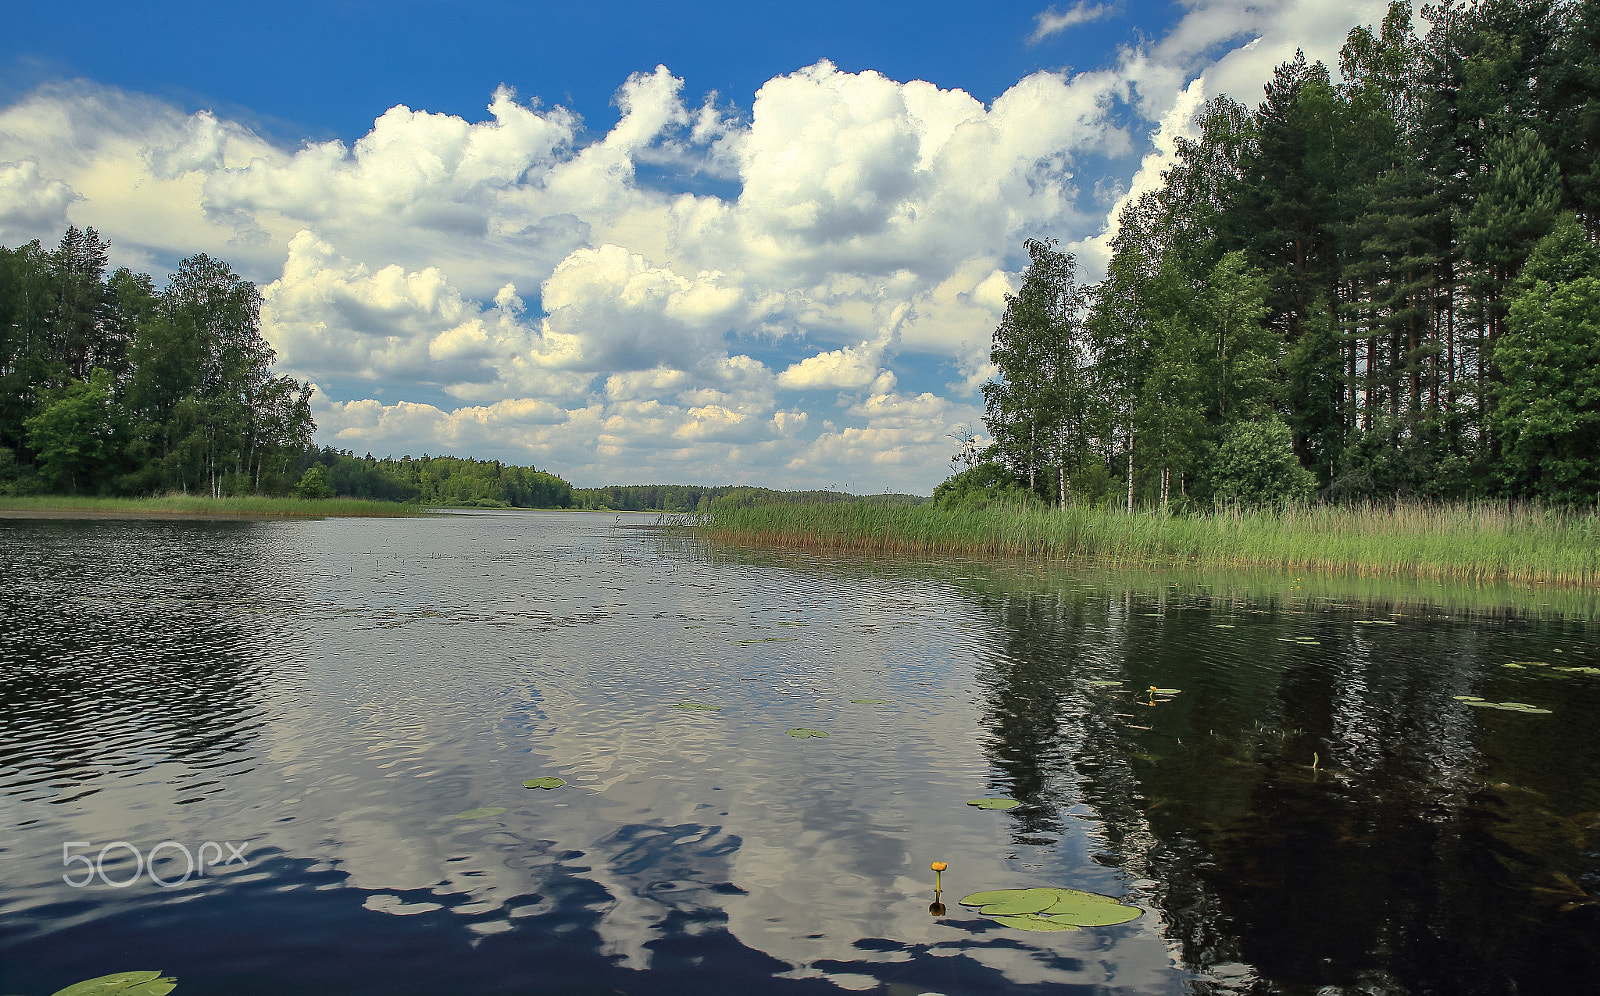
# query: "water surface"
1315,811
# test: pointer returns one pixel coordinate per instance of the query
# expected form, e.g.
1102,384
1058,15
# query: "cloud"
31,206
586,315
1052,22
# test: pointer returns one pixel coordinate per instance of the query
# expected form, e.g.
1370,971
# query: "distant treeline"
432,480
698,498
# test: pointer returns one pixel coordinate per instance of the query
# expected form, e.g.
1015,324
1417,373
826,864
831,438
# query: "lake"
288,758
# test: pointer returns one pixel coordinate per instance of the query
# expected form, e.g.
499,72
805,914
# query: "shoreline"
200,508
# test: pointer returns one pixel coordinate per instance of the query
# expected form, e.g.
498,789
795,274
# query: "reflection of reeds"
1470,542
199,505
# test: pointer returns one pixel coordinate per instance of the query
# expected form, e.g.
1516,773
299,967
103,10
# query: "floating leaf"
994,803
988,898
1051,909
698,706
1066,899
764,639
1035,923
125,983
1223,626
1165,691
1580,670
1468,698
547,782
1022,901
478,814
1101,911
802,733
1519,667
1522,707
1105,684
1534,663
870,701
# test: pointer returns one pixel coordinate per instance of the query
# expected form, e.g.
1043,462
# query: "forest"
110,386
1385,287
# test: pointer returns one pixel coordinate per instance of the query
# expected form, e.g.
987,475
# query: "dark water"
322,700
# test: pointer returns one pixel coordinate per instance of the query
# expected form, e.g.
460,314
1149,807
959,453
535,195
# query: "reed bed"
1479,542
200,506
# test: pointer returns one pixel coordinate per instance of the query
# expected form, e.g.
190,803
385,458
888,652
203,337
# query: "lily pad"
1101,683
1098,912
1035,923
870,701
1051,909
1519,667
1022,901
547,782
988,898
1067,899
802,733
1469,698
1223,626
124,983
478,814
698,706
994,803
1580,670
1165,691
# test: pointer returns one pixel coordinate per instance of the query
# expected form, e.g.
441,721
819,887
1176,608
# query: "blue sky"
626,243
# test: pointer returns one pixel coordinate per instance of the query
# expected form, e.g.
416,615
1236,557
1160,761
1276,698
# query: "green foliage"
1255,465
75,434
1038,411
313,484
982,485
460,482
107,384
1548,408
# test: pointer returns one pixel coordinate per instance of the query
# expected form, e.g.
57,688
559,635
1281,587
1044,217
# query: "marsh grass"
1479,542
254,506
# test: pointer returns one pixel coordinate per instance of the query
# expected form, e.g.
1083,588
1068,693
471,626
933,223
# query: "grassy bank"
1480,542
251,507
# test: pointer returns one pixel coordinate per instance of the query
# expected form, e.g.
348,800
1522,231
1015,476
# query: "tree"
314,483
1255,465
982,485
75,434
1547,411
1040,406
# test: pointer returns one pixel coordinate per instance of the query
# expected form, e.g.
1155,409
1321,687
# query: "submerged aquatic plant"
1522,707
1051,908
994,803
122,984
480,813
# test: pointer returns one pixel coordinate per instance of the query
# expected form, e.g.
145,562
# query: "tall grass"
251,506
1479,542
